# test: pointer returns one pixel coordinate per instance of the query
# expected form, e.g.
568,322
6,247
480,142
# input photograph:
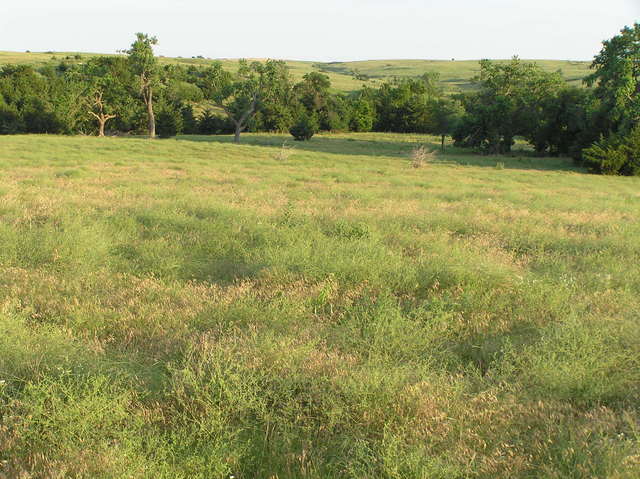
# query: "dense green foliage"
617,154
455,75
194,309
617,78
169,123
512,102
305,127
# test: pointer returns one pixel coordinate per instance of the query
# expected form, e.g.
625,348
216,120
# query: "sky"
327,30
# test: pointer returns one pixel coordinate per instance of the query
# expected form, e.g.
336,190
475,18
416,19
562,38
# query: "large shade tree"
241,94
404,105
617,78
510,102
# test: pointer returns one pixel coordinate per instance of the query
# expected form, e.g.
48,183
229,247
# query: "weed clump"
421,155
284,153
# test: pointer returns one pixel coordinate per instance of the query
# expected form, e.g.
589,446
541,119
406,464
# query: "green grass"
454,75
190,308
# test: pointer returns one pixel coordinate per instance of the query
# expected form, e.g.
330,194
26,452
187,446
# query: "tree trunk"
150,116
443,136
102,120
243,121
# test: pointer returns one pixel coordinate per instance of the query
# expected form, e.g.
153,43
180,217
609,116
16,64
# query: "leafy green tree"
510,102
617,78
108,91
568,121
144,65
333,111
277,109
242,94
313,91
363,115
39,101
446,114
403,105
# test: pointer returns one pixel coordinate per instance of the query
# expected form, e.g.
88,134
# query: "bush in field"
616,155
284,153
420,156
305,127
168,123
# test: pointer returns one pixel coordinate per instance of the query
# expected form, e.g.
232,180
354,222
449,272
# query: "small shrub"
500,165
420,156
304,128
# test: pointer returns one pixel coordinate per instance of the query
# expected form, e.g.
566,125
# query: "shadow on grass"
368,145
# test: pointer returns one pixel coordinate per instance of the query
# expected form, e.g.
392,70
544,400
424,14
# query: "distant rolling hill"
345,76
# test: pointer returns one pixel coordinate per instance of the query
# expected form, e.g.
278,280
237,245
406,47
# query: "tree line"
596,124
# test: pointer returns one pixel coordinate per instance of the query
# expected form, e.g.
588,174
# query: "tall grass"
194,309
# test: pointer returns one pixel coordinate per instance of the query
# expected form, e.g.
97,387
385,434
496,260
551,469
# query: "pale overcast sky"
326,30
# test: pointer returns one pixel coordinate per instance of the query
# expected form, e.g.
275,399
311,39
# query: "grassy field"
454,75
189,308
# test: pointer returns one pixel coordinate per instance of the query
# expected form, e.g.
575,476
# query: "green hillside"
454,75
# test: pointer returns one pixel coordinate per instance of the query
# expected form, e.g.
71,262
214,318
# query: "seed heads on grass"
421,155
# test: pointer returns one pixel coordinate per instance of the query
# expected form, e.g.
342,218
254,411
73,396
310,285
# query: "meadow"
455,76
190,308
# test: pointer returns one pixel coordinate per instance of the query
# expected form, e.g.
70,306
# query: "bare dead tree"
101,116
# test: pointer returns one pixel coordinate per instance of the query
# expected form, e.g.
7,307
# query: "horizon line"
201,57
